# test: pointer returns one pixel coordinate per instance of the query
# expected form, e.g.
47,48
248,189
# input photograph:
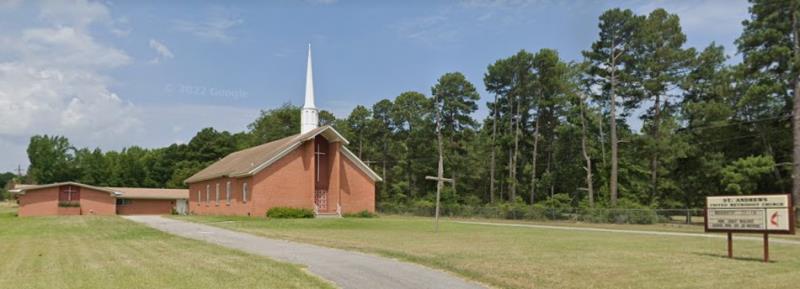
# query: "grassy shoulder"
111,252
658,227
511,257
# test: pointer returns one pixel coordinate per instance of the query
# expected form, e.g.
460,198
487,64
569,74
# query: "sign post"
765,214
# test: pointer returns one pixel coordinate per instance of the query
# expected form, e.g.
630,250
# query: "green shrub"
628,212
423,208
289,213
362,214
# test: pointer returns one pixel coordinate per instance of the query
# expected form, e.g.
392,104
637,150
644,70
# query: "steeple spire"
309,118
309,82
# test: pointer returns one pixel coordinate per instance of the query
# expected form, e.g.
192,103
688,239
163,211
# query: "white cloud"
65,47
162,50
53,80
427,29
78,13
215,28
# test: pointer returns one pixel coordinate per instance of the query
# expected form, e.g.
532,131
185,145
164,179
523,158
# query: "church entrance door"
321,199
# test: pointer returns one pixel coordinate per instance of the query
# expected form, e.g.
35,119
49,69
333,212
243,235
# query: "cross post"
439,183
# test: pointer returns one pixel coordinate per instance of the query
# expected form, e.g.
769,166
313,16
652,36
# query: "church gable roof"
250,161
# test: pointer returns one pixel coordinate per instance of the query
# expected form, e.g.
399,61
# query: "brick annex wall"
97,203
146,207
44,202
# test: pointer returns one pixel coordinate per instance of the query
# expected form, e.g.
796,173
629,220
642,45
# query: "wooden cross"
69,192
318,154
439,183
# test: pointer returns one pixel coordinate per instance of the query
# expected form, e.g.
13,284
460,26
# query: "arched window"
217,195
228,193
208,194
244,192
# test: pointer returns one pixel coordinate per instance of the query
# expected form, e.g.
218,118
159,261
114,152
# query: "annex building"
71,198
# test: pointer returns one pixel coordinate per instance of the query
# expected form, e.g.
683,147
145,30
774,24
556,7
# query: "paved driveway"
346,269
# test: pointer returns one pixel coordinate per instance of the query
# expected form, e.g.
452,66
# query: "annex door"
181,206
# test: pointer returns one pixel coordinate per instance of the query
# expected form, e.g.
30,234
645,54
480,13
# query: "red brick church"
312,169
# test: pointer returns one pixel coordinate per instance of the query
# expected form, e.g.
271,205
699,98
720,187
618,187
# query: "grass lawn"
660,227
111,252
510,257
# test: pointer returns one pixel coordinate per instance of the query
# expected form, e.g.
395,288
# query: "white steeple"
309,118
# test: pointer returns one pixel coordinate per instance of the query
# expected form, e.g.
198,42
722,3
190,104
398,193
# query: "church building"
312,169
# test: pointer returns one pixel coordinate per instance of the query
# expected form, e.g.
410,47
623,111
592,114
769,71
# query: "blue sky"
111,74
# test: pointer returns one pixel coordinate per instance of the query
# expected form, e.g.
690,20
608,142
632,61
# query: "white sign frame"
773,214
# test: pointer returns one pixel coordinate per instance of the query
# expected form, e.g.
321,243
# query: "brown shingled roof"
249,161
126,193
149,193
21,189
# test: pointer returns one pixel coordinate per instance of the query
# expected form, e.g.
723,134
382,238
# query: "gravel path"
736,236
346,269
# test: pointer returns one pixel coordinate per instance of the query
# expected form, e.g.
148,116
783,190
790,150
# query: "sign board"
772,214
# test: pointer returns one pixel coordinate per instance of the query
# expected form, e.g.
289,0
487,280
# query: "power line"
787,116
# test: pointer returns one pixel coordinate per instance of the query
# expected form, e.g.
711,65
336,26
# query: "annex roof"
21,189
127,193
151,193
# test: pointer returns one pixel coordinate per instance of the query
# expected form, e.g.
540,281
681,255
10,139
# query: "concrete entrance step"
328,215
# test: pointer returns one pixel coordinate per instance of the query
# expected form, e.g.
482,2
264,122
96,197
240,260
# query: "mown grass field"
659,227
111,252
510,257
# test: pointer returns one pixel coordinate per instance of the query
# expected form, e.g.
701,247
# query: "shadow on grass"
725,256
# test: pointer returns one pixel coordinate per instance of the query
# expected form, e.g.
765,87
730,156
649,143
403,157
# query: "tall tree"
51,159
551,89
770,44
358,125
457,99
661,65
410,115
611,59
511,80
383,129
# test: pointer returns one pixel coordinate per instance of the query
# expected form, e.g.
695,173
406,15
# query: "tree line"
556,129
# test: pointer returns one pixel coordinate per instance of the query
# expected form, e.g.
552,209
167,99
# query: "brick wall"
44,202
206,206
97,203
357,189
289,182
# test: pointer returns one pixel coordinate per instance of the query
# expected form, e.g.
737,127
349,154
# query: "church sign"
750,214
764,214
